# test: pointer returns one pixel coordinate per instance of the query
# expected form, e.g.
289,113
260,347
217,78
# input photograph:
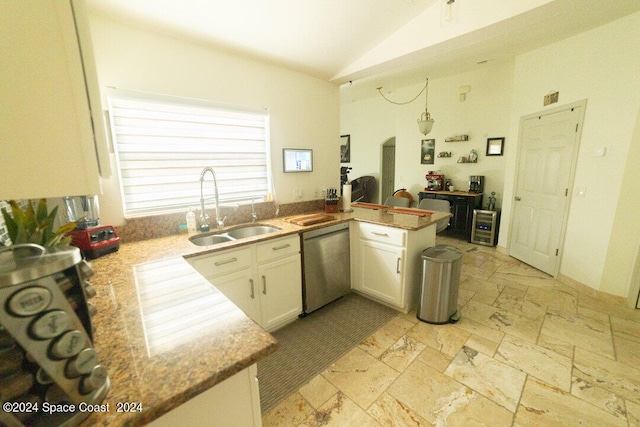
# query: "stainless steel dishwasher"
327,275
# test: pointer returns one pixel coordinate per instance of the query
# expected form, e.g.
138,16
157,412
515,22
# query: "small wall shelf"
457,138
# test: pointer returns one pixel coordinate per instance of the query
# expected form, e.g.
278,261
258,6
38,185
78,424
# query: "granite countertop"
166,334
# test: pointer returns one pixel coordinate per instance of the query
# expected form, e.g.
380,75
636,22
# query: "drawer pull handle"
380,234
285,246
264,285
398,265
253,294
226,261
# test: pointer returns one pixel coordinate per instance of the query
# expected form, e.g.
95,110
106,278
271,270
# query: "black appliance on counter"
476,184
46,337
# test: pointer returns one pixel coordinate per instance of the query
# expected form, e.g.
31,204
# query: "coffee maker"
93,239
476,184
435,181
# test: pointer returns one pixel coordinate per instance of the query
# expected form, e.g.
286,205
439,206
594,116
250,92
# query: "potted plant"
36,226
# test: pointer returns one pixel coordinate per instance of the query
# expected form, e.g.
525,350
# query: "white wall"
485,113
304,110
601,66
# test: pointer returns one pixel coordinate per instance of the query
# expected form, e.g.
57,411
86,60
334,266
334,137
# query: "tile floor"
528,351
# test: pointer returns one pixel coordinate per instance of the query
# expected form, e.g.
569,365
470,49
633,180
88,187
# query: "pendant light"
425,122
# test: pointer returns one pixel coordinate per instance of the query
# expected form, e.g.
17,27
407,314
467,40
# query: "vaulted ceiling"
390,43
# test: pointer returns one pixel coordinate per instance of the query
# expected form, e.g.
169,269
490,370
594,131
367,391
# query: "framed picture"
427,152
495,146
297,160
345,148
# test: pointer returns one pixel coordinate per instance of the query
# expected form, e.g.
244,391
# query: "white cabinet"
264,279
281,292
240,287
233,402
47,134
386,262
381,271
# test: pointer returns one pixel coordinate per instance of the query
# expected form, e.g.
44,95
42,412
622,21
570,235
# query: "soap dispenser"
192,226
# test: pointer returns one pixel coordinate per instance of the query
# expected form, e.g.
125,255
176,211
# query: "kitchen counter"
166,334
453,193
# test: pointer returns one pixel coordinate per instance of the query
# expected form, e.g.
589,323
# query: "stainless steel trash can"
440,280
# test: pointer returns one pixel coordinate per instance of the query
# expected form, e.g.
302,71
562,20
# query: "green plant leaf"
19,216
12,227
31,226
41,212
64,229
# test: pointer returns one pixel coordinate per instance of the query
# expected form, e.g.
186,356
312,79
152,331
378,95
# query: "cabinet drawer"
464,200
278,248
214,265
379,233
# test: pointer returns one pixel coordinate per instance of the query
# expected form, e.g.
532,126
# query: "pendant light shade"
425,122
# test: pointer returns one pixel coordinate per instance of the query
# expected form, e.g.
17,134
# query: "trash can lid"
442,253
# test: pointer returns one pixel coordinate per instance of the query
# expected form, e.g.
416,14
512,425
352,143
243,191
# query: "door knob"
517,198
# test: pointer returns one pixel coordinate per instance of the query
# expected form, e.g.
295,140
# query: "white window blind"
162,143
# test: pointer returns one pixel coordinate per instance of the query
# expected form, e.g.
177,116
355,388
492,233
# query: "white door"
548,147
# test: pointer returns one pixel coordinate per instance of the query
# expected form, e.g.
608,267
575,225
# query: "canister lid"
17,267
442,253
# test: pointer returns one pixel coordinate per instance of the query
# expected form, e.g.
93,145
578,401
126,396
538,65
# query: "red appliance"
435,182
93,239
96,241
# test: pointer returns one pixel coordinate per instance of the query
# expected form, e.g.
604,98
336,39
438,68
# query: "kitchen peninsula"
160,369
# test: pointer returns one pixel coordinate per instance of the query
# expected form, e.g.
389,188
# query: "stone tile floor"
528,351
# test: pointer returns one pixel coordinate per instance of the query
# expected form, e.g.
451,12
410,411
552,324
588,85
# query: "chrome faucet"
254,215
204,218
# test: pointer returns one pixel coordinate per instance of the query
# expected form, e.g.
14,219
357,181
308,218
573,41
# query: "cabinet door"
381,269
233,402
46,133
280,287
240,287
462,217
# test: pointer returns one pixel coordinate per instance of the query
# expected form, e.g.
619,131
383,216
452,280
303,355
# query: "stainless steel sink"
250,231
237,233
209,239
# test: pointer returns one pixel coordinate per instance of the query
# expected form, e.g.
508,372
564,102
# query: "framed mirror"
495,146
297,160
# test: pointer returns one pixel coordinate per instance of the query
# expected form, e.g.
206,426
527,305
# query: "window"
162,143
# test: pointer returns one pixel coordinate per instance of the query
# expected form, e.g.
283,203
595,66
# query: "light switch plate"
599,151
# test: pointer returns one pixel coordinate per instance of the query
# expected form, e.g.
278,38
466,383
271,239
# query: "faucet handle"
220,223
254,215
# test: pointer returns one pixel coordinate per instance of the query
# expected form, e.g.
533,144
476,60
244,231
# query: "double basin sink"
236,233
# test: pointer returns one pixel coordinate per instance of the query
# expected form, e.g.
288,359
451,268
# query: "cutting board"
309,219
406,211
368,205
